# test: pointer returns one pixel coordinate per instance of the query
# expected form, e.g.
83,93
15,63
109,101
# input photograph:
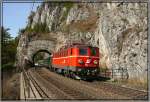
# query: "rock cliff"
118,29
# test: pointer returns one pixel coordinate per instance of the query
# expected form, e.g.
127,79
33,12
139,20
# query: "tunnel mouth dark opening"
42,58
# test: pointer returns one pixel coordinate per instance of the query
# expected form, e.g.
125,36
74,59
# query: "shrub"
68,6
8,66
38,28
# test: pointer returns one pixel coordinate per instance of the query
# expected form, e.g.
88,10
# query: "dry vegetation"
87,25
42,36
10,86
143,85
133,83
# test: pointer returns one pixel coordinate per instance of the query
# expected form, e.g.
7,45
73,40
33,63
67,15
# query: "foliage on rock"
38,28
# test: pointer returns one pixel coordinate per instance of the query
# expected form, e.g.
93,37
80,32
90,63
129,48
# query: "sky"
15,16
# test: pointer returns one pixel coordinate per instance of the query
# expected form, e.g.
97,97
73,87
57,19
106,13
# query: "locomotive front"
87,61
77,60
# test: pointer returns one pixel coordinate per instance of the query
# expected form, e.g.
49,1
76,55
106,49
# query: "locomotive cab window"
93,51
82,51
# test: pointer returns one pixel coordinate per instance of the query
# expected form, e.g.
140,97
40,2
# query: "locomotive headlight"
95,70
88,61
80,61
95,62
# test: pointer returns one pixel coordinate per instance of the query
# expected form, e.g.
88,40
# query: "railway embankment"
50,85
10,84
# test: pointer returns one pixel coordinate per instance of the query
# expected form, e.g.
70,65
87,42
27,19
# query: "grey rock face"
119,30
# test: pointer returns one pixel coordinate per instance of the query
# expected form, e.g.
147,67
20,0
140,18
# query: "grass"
133,83
137,83
103,69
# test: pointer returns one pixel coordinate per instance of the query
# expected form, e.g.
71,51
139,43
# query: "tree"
9,46
5,35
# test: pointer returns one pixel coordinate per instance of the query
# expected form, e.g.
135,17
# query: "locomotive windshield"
83,51
93,51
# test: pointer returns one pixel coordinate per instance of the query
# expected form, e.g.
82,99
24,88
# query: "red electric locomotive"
77,60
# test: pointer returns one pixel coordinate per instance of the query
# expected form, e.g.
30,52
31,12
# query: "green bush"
103,69
8,51
38,28
68,7
8,66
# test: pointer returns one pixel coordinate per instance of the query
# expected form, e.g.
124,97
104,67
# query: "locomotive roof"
75,45
81,46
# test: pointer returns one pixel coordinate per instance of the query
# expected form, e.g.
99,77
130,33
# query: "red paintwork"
64,58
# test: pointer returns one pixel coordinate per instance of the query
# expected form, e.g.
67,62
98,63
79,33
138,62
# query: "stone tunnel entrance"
42,58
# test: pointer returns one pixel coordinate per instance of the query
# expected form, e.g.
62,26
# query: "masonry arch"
39,46
44,51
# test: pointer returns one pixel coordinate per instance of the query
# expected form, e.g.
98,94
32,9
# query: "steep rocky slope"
118,29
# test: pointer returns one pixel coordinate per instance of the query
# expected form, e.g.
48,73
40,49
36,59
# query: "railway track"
129,92
51,89
32,90
50,85
120,90
41,92
68,92
74,88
